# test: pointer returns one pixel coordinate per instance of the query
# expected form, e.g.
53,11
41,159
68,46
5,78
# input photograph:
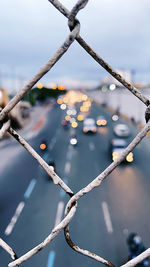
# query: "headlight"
74,124
104,122
73,141
115,117
129,157
115,155
43,146
52,167
98,122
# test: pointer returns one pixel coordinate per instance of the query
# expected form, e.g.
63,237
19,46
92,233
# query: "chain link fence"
71,207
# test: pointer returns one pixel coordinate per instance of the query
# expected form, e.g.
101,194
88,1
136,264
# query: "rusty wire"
104,64
71,207
5,246
4,125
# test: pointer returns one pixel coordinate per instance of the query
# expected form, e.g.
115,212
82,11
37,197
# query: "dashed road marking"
29,135
91,146
51,259
14,218
67,167
107,217
69,155
59,213
52,143
30,188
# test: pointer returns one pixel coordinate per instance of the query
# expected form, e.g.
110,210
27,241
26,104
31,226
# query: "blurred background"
31,32
79,119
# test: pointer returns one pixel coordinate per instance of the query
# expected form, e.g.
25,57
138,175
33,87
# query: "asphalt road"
104,217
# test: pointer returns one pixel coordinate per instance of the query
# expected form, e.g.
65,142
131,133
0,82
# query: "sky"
32,31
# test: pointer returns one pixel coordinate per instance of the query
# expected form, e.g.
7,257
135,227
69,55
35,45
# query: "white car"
122,130
117,147
89,125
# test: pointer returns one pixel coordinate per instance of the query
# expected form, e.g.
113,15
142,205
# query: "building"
110,82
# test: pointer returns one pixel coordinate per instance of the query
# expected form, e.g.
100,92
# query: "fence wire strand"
71,206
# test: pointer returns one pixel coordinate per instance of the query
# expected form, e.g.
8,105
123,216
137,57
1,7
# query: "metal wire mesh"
71,207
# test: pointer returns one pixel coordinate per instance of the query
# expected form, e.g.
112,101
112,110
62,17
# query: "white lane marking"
30,188
67,167
107,217
69,155
29,135
14,218
59,213
91,146
53,142
51,259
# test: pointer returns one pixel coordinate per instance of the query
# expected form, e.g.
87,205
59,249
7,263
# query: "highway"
31,205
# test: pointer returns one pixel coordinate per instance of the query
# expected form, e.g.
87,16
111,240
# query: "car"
101,121
121,130
89,125
65,123
72,111
117,146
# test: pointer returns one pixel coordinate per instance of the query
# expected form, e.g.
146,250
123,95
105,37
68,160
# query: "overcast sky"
32,30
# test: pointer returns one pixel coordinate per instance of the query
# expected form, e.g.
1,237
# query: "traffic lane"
135,217
15,180
89,211
18,176
90,146
127,200
83,170
58,256
87,230
103,201
90,149
123,248
56,191
35,223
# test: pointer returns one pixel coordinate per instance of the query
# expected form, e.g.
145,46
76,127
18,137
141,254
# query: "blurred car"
117,147
89,125
121,130
73,140
65,124
72,111
101,121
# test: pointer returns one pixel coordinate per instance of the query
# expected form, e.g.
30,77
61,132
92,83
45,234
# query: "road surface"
31,205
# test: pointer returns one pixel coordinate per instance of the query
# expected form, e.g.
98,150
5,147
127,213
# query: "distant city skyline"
32,31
